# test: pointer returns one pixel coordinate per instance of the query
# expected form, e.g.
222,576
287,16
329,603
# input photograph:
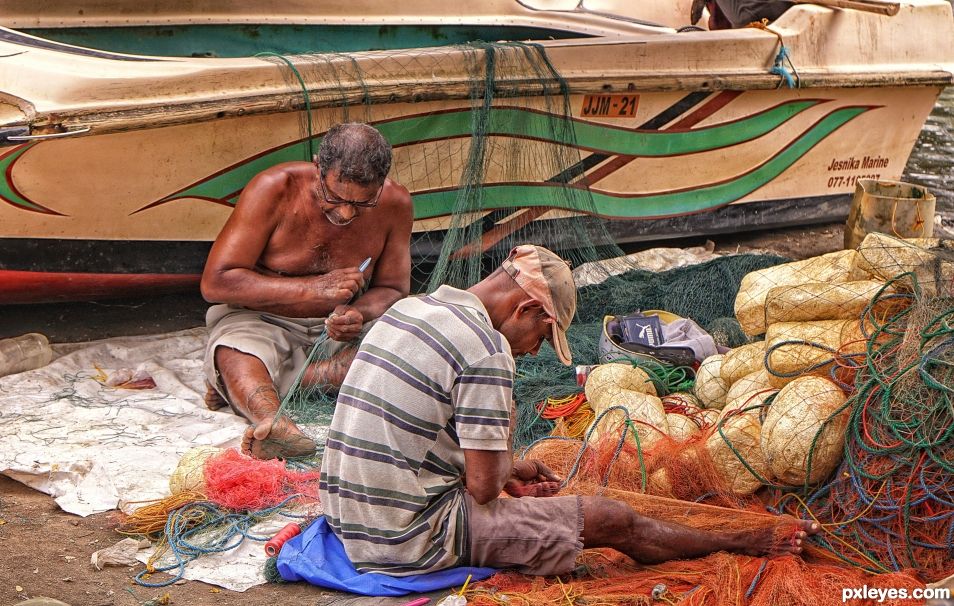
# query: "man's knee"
225,356
235,372
228,360
607,521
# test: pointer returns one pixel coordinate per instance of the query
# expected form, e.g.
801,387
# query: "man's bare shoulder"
396,201
282,176
275,185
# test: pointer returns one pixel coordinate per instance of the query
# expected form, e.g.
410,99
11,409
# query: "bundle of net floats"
838,409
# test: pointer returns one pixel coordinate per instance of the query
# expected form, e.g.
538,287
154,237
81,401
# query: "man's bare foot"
329,373
276,438
769,542
538,489
213,399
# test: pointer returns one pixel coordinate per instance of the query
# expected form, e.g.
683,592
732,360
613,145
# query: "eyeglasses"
369,203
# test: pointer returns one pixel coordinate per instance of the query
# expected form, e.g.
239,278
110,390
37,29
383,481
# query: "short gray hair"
358,151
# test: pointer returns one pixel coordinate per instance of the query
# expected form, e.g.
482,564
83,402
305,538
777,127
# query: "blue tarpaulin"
318,557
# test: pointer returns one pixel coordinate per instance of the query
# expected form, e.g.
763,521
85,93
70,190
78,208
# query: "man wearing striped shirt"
419,448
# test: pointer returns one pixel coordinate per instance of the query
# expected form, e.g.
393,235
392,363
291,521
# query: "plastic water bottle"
23,353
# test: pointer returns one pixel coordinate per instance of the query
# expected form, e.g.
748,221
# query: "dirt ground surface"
46,552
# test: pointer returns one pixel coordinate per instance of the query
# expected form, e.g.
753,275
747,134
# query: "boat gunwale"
589,23
165,114
426,74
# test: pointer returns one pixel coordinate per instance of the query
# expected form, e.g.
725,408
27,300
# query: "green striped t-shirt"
431,378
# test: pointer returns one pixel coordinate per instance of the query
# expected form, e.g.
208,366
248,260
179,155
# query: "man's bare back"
292,248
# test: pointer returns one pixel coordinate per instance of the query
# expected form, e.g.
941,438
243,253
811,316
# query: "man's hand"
532,479
340,286
344,323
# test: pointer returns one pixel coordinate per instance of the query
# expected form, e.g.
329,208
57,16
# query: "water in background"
932,161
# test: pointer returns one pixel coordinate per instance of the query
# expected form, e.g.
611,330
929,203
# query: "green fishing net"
704,293
509,171
503,163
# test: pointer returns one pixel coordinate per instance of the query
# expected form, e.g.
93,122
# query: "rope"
575,468
667,378
890,505
200,528
782,65
554,408
755,581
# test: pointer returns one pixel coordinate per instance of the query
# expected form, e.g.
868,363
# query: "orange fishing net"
719,579
239,482
678,470
692,493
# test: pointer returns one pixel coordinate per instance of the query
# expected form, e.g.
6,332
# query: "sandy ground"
45,552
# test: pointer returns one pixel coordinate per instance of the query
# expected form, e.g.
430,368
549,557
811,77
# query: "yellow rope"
764,26
835,536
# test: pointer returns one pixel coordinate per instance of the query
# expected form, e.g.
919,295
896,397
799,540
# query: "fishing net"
504,167
719,579
794,349
501,166
239,482
929,261
469,250
833,268
887,505
703,292
219,497
677,481
890,504
880,415
886,511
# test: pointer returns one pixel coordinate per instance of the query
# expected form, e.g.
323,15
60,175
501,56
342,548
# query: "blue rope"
779,68
755,581
221,530
619,448
950,538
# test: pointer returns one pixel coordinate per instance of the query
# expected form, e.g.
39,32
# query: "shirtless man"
285,270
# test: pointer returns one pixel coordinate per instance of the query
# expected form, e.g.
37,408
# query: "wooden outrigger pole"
871,6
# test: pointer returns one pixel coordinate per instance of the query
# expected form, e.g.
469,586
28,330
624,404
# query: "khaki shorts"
282,344
538,536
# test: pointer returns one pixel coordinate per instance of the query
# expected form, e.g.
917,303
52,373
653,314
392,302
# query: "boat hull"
685,164
660,136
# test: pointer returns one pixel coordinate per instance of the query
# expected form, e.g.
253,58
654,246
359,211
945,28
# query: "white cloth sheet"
95,448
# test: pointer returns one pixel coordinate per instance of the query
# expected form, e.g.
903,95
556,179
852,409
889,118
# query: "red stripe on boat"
40,287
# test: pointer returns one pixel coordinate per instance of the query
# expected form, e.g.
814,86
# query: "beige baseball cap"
547,278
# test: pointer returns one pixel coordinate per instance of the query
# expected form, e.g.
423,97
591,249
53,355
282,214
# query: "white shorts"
282,344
